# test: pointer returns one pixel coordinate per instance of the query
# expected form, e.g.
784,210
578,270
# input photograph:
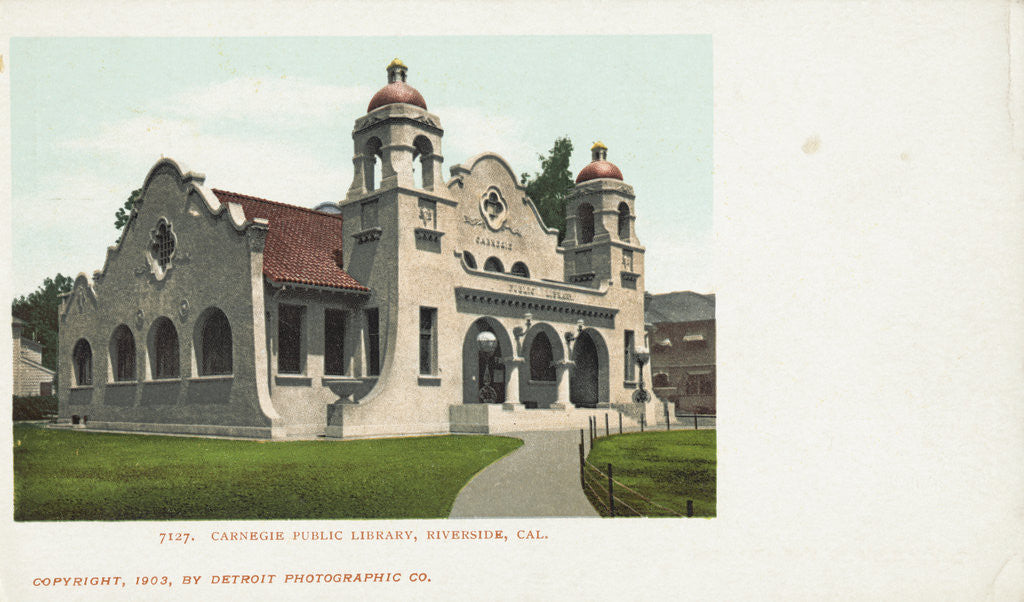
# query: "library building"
415,304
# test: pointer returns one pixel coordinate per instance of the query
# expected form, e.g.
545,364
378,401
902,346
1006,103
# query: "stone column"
512,365
562,378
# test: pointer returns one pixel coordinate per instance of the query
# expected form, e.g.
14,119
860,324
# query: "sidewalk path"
541,478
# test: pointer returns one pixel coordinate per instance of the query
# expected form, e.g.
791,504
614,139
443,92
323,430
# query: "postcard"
515,302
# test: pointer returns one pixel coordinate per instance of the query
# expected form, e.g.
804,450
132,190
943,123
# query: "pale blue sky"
272,117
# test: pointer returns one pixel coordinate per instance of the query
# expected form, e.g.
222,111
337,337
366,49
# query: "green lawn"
67,475
667,467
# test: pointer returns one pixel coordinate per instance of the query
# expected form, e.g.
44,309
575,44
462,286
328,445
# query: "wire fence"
615,497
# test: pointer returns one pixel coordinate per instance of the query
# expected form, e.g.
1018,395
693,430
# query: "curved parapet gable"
536,212
190,182
461,170
495,217
470,164
82,293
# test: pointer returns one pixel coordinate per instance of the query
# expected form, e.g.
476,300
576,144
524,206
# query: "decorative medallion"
494,209
184,308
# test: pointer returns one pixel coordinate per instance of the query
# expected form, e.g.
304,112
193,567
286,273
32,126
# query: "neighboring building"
31,377
683,350
414,305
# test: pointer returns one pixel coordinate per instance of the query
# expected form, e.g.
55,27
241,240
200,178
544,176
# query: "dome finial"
396,70
599,167
396,91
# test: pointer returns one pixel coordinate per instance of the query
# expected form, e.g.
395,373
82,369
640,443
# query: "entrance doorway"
483,372
583,384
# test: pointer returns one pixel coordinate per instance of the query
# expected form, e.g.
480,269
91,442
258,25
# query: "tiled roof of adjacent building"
303,246
682,306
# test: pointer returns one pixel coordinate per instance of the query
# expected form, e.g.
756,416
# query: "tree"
549,188
39,310
123,214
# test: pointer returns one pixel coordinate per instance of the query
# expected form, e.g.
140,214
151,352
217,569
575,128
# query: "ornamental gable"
496,218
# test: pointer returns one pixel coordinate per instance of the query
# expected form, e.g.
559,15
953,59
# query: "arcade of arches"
531,366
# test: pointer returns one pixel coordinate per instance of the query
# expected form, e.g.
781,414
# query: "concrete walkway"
541,478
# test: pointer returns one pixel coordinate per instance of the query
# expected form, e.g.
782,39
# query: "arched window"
623,221
163,350
584,223
122,354
82,360
519,269
661,379
372,169
493,264
214,349
469,259
424,152
541,366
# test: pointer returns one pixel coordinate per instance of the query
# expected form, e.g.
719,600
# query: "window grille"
82,355
163,244
216,345
334,342
372,342
289,339
428,320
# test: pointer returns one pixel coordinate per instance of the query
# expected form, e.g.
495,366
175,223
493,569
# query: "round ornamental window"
161,248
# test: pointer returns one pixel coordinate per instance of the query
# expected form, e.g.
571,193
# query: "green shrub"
34,407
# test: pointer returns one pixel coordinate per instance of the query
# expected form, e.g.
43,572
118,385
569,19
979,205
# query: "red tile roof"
303,245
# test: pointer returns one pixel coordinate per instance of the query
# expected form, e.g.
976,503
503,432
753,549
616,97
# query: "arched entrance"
588,385
542,350
484,371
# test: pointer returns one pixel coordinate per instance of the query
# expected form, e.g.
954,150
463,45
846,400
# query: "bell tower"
397,144
600,239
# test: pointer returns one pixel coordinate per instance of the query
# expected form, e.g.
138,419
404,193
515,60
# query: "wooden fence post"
695,421
620,423
611,496
606,432
643,419
583,483
689,508
668,423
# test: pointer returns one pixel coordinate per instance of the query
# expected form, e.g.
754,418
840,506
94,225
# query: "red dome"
599,169
394,92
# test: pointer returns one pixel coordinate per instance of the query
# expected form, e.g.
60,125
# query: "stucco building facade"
413,305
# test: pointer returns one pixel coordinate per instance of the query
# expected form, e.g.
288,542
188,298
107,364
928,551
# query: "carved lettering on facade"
533,291
493,242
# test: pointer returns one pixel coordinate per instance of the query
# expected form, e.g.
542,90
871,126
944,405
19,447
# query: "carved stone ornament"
183,309
140,318
494,209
